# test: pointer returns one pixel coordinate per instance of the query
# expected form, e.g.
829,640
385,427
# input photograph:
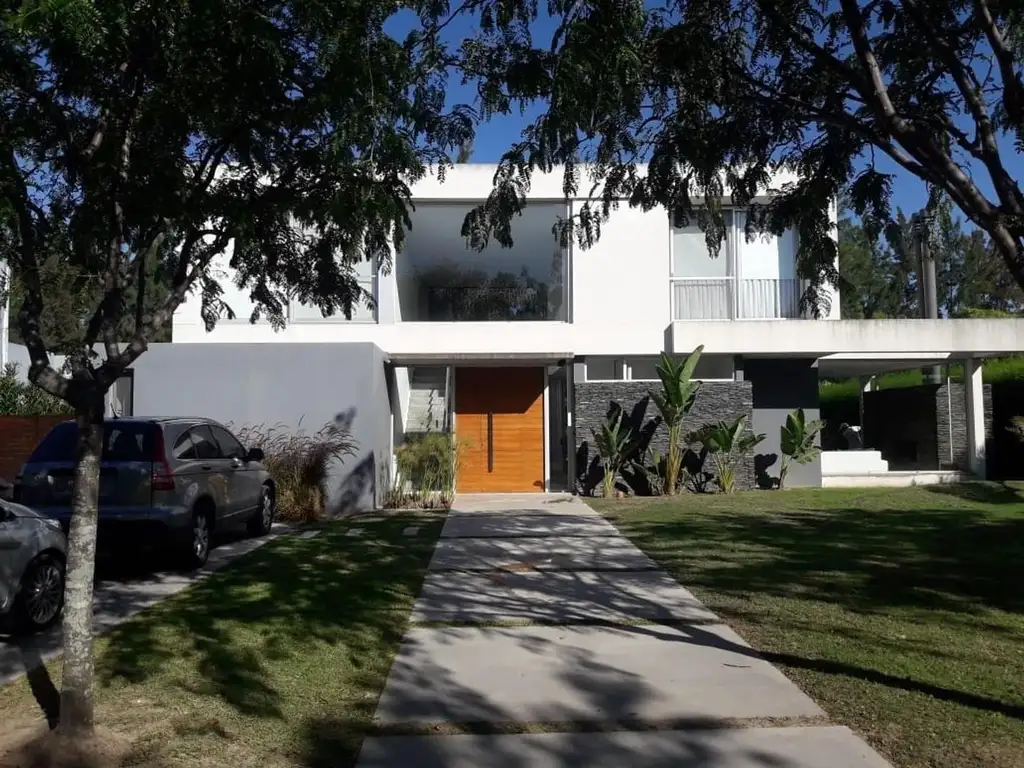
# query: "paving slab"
555,596
521,504
546,674
832,746
500,525
544,554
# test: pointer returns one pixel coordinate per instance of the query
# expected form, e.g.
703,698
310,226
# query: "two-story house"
521,351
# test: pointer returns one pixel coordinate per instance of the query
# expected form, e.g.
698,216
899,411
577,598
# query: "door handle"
206,466
490,441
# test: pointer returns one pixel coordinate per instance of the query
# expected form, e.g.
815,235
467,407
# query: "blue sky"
494,137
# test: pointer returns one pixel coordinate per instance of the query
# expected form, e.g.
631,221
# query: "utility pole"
927,282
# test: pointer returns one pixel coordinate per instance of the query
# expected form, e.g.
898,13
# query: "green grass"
900,611
995,371
276,661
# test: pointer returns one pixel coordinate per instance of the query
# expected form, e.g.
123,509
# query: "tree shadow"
981,493
955,559
223,636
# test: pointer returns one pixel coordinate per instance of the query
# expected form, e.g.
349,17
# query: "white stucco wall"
621,297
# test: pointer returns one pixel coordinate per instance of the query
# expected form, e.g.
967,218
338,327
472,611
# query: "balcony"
729,298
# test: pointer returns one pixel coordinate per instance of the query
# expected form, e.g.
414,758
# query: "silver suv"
162,480
32,552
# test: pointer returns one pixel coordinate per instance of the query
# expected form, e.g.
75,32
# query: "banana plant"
674,401
616,446
724,442
796,440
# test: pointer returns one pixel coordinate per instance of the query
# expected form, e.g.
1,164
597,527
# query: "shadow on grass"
259,620
957,558
981,493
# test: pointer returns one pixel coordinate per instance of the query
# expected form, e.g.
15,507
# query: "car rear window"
124,441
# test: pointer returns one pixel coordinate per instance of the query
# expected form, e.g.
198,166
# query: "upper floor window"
440,278
752,279
362,310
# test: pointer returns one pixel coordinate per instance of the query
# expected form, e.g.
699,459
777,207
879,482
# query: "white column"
974,397
867,384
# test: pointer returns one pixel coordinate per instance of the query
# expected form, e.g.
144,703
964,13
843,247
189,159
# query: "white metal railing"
726,298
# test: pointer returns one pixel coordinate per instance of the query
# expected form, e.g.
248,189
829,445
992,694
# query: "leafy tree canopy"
881,271
717,96
139,137
148,138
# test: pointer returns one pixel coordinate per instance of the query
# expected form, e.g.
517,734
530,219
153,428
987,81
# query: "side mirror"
254,454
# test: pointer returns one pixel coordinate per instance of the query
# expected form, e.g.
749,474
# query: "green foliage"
880,269
19,398
651,467
427,467
150,144
725,443
716,96
1016,427
616,445
994,370
300,465
674,401
796,439
980,313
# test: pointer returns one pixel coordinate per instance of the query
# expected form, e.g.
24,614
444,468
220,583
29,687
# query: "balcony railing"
726,298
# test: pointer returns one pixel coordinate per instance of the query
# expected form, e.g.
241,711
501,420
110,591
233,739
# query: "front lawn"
276,661
900,611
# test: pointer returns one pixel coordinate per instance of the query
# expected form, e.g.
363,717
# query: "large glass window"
691,257
442,279
363,310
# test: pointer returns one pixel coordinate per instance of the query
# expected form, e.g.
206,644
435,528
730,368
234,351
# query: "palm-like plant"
615,445
797,441
674,401
724,441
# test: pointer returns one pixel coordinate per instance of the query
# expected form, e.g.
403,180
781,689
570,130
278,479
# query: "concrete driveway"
121,592
544,638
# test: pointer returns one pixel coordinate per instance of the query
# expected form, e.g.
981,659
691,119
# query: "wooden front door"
499,425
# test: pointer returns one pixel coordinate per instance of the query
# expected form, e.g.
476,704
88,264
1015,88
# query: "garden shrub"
300,464
21,398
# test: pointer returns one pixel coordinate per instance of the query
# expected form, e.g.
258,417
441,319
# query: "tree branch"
1013,89
31,242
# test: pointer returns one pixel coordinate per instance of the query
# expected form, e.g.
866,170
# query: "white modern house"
521,351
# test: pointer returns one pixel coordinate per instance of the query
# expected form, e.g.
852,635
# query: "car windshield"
122,441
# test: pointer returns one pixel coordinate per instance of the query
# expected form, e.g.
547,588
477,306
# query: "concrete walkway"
536,624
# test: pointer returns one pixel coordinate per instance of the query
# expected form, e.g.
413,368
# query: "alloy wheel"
44,593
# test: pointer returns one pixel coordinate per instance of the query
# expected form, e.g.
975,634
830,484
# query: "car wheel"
262,520
199,539
41,596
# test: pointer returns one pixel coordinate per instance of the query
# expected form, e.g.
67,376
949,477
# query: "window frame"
194,430
625,368
214,429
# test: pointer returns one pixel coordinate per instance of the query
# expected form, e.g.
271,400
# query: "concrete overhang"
918,341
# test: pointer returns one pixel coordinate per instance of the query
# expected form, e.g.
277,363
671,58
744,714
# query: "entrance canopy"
916,340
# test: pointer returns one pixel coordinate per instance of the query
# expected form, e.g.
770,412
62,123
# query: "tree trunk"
76,704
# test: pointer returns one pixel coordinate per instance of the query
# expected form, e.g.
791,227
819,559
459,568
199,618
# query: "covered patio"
864,349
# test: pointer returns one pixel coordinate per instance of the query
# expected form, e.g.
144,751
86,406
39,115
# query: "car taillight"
162,479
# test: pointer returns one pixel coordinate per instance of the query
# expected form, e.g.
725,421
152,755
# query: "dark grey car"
172,481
